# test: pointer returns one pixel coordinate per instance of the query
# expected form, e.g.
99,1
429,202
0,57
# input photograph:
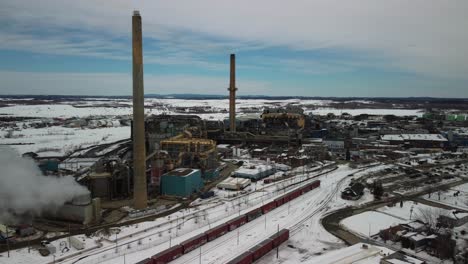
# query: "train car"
268,207
280,237
279,201
145,261
292,195
261,249
255,213
315,184
167,255
216,232
193,243
246,258
236,222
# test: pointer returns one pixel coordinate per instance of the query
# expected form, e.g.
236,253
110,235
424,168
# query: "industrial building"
234,184
82,209
417,140
181,182
255,172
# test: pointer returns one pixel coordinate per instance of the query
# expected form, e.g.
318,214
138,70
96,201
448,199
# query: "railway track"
216,244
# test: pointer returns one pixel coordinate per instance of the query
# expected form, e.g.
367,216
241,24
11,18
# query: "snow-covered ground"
302,217
396,112
52,141
371,222
456,197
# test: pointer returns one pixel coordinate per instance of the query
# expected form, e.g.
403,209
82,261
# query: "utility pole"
116,243
277,247
69,234
200,254
7,240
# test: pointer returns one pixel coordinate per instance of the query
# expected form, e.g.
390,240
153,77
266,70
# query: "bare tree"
430,216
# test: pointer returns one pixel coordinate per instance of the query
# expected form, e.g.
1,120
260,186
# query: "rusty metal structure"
140,195
187,151
232,94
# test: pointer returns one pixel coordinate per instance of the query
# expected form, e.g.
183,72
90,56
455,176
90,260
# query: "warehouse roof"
180,172
403,137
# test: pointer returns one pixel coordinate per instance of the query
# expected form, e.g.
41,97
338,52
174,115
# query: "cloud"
120,84
419,36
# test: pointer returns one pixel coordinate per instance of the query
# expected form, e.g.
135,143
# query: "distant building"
456,218
417,140
354,192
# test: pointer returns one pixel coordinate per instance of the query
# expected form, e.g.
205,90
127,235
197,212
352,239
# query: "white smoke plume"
24,190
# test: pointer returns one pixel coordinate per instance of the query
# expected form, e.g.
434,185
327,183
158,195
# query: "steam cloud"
25,191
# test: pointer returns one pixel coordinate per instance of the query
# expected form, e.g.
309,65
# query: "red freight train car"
236,222
167,255
194,243
254,214
315,184
292,195
280,237
261,249
216,232
268,207
267,181
279,201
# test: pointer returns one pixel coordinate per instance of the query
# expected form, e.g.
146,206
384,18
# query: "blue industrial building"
181,182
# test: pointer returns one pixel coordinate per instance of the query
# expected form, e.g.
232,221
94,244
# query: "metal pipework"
232,95
140,195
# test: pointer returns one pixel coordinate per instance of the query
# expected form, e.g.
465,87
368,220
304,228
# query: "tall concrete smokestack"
232,95
140,196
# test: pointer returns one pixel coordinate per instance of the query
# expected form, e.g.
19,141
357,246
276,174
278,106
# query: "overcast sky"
303,47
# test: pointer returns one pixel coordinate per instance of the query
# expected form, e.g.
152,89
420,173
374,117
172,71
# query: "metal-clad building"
181,182
255,172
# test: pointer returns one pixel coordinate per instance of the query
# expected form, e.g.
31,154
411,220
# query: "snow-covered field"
51,141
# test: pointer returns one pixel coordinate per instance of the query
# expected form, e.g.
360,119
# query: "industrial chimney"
140,196
232,95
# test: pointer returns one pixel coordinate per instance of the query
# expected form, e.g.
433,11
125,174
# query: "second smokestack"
232,95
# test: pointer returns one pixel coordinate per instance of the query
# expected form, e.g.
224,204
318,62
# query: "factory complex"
184,182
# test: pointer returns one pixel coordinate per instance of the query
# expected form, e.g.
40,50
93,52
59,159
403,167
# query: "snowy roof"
415,225
398,258
403,137
409,234
418,237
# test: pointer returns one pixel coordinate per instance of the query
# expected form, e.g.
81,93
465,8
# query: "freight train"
261,249
249,256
